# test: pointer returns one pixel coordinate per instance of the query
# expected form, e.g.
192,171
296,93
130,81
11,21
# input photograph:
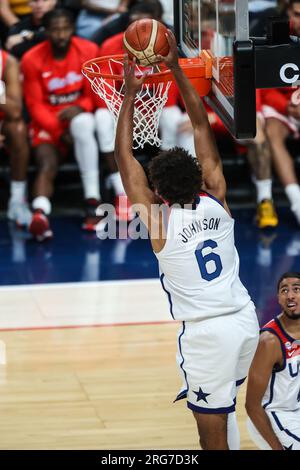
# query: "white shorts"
214,356
286,426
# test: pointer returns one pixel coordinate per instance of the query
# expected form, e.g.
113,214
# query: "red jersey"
112,46
51,85
277,98
3,61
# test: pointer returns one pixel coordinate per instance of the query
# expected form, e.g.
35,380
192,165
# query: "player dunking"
198,261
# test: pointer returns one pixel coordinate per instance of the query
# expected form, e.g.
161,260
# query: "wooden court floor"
107,387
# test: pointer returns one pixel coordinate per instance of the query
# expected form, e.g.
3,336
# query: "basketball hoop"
106,75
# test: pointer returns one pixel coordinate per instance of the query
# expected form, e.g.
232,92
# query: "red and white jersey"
3,60
277,98
51,85
283,391
199,264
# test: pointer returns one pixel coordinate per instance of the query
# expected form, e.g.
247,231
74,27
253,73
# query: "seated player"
273,393
14,137
282,118
259,158
281,110
29,31
59,102
176,129
175,126
105,131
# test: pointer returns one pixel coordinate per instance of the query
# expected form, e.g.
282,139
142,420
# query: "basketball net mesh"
148,103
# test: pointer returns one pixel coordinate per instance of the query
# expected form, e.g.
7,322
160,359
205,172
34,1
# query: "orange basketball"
144,39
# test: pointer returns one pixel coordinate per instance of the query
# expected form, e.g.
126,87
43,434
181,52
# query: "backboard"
222,27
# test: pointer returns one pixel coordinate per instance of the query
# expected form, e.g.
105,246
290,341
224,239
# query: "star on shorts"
201,395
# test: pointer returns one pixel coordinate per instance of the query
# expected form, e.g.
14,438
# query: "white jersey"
283,391
199,264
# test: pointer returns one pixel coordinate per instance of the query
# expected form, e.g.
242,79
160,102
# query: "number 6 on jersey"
202,260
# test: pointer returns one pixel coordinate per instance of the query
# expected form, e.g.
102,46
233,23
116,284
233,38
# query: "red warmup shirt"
3,60
277,98
51,85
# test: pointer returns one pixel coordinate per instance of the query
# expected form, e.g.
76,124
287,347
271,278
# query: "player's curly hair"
176,176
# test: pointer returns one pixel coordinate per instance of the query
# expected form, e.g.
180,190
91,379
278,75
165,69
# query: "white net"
148,105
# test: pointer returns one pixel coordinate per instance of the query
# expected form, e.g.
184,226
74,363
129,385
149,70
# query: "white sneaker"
19,212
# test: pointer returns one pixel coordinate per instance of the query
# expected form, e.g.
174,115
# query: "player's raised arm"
133,176
205,146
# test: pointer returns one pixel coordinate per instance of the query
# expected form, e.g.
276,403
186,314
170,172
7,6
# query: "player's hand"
133,84
13,41
69,113
171,60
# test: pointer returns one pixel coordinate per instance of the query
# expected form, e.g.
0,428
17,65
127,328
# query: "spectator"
13,136
12,10
30,31
147,9
121,22
168,15
259,11
293,13
10,13
60,104
95,12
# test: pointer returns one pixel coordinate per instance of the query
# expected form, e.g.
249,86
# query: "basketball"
145,39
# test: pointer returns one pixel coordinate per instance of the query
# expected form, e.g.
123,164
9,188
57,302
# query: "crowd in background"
50,111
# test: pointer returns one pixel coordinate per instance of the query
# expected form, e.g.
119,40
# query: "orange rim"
198,68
